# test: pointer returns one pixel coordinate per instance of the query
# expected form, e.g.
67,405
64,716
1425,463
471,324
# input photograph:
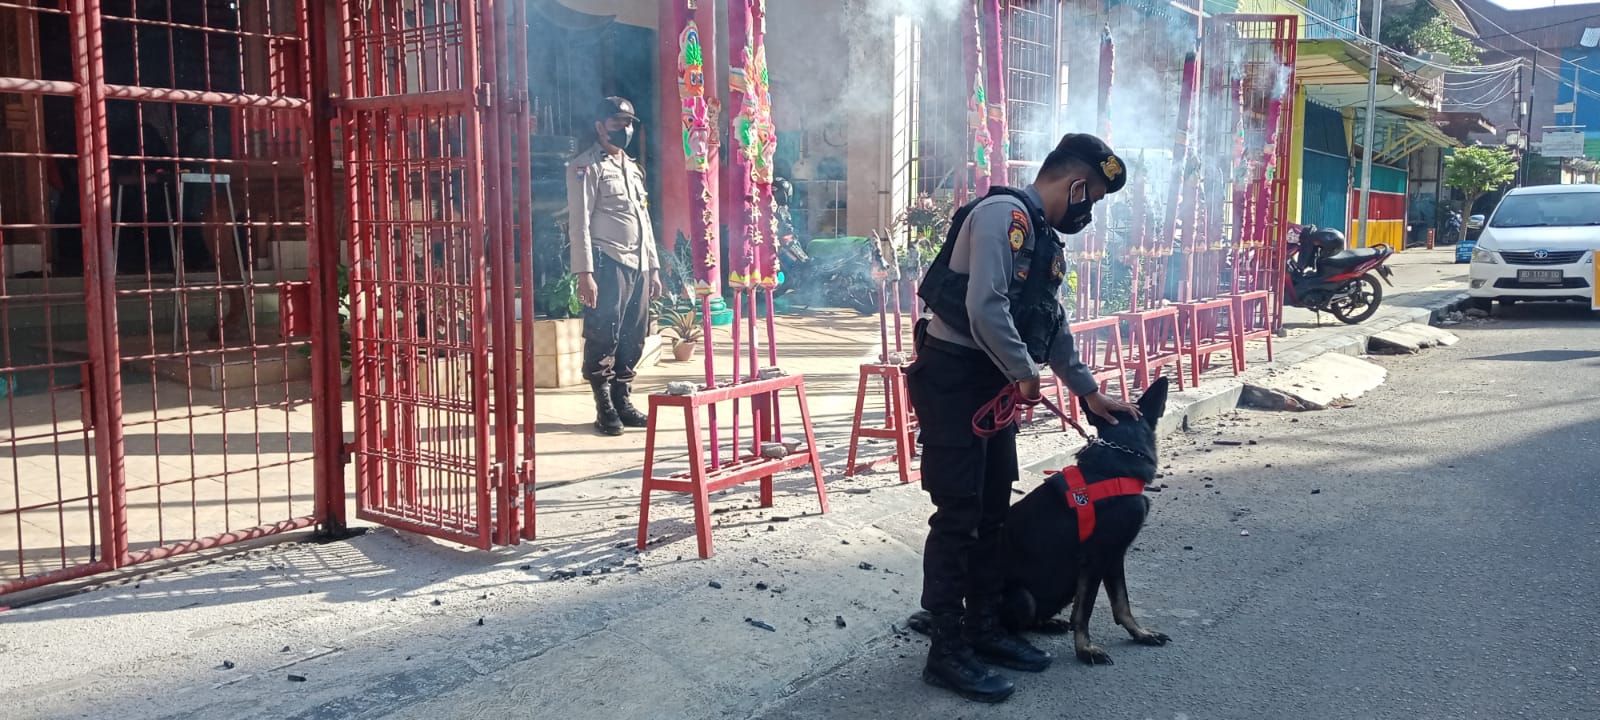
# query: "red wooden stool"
1205,334
1155,341
1105,336
899,421
1251,320
700,480
1099,343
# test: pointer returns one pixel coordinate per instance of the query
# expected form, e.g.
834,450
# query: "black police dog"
1047,568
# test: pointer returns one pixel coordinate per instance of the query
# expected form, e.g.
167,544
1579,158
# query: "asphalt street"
1431,552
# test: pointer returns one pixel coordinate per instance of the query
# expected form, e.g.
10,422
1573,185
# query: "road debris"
752,622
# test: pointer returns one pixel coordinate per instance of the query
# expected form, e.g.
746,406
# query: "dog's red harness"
1082,496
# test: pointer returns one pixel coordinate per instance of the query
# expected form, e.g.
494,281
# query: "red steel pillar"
99,277
327,407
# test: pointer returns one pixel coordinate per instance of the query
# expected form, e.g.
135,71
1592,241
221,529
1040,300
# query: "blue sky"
1534,4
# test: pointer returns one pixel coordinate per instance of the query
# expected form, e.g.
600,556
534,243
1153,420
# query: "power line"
1478,81
1571,84
1459,69
1500,92
1536,48
1539,27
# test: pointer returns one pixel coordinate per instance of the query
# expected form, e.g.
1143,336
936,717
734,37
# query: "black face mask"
620,138
1077,217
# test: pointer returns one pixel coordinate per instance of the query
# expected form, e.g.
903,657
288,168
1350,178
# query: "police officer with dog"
996,319
613,253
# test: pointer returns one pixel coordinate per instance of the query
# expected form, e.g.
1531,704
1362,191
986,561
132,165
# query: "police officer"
995,320
614,256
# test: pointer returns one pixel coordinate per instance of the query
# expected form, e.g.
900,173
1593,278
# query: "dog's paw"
1053,626
1151,637
1094,655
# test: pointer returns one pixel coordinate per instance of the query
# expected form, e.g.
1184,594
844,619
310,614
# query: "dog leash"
1006,407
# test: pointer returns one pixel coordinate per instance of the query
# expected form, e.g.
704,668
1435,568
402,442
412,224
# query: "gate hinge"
485,95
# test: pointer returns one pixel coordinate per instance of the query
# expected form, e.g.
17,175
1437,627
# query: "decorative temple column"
994,42
981,149
698,109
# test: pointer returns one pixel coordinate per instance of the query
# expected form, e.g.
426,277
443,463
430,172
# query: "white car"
1539,244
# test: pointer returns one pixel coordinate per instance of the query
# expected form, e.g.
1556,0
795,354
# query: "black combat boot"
606,420
629,414
952,665
991,641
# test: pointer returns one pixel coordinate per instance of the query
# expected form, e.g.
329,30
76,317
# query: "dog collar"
1082,496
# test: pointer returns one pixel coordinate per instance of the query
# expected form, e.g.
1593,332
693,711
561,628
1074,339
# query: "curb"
1221,395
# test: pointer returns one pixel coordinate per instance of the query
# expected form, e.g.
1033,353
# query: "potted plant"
558,298
683,326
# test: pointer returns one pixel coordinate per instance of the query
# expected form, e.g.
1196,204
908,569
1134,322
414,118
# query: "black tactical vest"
1035,311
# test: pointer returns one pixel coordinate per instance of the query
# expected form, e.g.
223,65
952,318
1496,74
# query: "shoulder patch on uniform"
1019,230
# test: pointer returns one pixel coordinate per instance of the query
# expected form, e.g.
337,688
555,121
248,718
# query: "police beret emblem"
1112,167
1019,230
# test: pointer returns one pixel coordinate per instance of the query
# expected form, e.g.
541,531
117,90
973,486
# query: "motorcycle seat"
1350,258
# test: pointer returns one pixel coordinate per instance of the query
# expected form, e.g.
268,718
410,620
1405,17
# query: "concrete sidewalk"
575,625
828,345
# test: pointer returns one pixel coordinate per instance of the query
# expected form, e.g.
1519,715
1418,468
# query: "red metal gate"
160,283
434,212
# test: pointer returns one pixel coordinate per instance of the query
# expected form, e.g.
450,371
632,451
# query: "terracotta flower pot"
683,351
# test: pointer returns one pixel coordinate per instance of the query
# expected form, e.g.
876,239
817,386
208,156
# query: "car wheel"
1484,304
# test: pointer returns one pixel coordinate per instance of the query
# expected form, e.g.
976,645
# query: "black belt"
924,339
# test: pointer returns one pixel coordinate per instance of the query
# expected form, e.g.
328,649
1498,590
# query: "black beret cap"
615,107
1098,155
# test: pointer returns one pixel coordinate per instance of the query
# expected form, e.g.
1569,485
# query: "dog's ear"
1154,400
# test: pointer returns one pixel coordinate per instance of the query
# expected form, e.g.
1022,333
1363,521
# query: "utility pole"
1527,112
1372,116
1520,101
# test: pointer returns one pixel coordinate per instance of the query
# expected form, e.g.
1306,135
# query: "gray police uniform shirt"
608,211
983,252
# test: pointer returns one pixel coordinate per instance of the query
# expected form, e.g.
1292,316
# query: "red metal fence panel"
160,217
419,281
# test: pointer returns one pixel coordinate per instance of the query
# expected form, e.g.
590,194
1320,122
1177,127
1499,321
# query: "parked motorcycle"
840,278
1324,276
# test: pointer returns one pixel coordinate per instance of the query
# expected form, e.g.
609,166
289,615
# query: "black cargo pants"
614,329
969,478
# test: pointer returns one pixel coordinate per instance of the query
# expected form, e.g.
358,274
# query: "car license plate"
1539,276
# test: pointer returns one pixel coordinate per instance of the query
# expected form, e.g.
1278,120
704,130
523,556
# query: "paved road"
1433,552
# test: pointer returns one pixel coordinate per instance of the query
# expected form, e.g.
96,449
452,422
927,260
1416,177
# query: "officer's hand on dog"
1107,407
1029,389
588,292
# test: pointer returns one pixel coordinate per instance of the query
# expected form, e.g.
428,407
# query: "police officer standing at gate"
614,256
996,318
